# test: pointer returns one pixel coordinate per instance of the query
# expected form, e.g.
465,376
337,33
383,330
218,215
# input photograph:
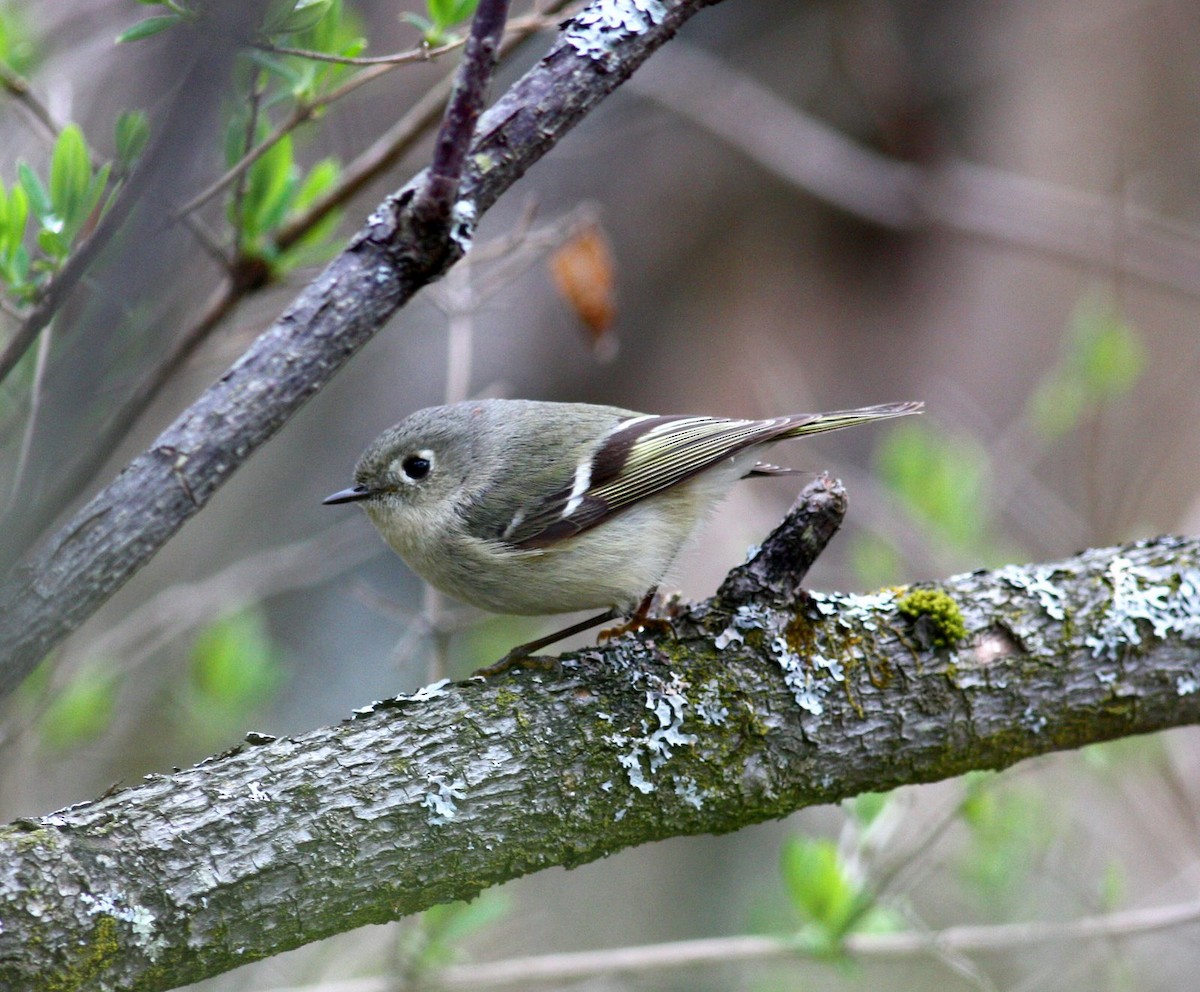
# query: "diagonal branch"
68,576
755,708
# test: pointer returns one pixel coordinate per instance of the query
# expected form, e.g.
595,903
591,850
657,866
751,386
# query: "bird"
532,507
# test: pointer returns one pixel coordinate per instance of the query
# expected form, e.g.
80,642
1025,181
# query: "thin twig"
187,605
303,112
436,197
959,196
35,402
422,53
552,969
74,480
17,86
399,139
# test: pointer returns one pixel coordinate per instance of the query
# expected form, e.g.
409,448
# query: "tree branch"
68,576
755,708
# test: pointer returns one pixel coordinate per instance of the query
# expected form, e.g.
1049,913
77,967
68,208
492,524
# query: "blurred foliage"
65,204
1101,359
282,17
939,478
62,207
275,191
432,939
82,711
440,16
235,670
337,32
827,894
942,477
18,47
1008,828
866,807
132,133
75,714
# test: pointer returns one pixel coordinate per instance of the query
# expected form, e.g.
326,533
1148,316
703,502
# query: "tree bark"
764,700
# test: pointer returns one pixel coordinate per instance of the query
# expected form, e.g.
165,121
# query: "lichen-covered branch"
760,704
64,580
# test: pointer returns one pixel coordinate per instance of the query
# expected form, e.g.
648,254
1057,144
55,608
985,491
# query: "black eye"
416,467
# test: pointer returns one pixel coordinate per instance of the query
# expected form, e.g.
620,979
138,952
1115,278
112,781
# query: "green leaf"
866,806
1102,358
270,185
16,274
447,13
1106,349
39,199
1006,827
132,133
53,244
234,664
17,42
821,887
149,27
70,177
320,242
292,16
447,925
81,712
95,193
12,234
1057,404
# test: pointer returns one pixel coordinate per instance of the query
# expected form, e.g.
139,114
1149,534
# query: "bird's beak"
351,495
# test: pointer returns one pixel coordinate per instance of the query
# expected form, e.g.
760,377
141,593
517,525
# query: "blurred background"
792,207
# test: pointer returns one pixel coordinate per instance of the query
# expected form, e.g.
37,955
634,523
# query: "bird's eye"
417,466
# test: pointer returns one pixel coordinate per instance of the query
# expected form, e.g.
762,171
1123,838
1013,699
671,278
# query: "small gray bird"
519,506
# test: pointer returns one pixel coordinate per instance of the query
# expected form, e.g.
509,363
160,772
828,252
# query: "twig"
186,605
306,111
435,199
239,187
17,86
789,552
960,196
399,139
146,390
422,53
35,403
559,968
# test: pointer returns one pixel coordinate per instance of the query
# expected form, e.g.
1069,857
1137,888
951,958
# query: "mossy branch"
759,705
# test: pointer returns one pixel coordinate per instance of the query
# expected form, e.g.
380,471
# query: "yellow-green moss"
94,959
944,625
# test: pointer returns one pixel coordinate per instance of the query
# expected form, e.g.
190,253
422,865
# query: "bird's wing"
644,455
641,456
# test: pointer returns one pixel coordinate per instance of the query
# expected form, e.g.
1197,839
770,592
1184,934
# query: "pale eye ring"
417,465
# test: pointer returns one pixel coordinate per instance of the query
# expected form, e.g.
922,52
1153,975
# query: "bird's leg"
639,620
522,656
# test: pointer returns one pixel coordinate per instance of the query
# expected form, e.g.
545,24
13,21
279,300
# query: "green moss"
940,621
94,958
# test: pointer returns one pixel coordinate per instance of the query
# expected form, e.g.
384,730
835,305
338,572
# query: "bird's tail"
816,423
